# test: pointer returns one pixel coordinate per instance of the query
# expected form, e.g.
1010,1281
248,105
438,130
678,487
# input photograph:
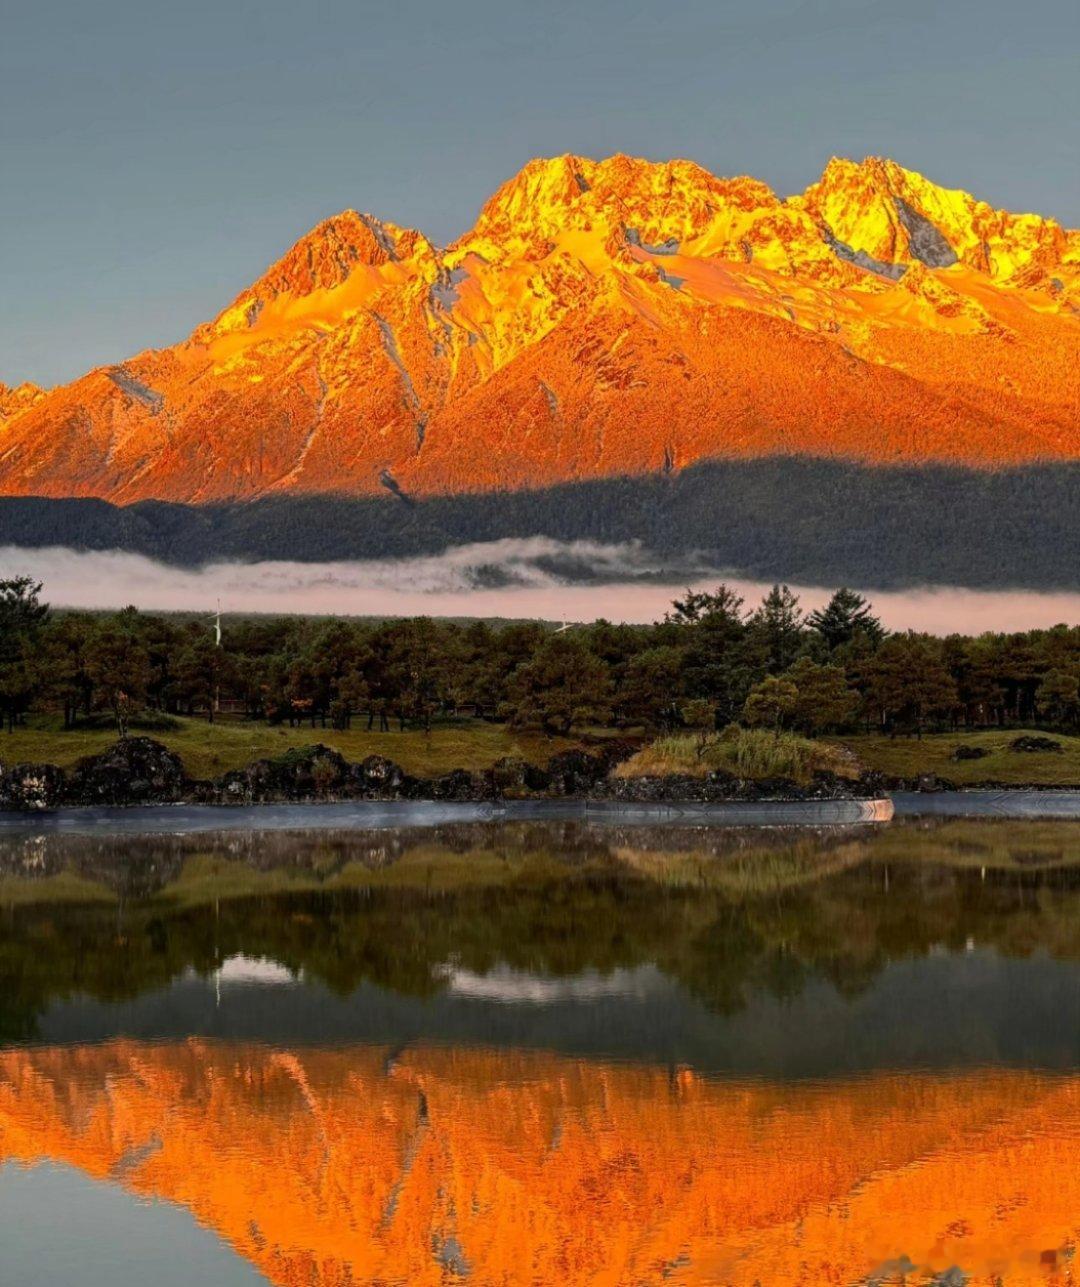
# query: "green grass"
749,753
908,757
208,750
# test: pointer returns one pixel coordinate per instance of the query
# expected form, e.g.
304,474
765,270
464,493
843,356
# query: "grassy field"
211,749
908,757
753,753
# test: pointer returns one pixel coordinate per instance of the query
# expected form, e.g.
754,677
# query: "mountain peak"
323,260
15,400
896,216
326,256
658,202
537,202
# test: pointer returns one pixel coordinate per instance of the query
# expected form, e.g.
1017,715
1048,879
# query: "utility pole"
215,617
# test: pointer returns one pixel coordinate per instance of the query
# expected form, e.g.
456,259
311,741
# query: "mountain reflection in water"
550,1054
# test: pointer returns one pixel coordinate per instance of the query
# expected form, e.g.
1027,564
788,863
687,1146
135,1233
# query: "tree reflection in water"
510,1155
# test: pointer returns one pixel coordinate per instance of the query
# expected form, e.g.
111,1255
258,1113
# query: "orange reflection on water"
352,1166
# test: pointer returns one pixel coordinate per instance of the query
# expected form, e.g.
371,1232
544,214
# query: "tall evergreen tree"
908,681
717,667
118,665
825,700
843,617
778,628
23,616
724,605
563,685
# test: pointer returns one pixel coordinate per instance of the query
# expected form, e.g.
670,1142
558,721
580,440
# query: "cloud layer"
538,577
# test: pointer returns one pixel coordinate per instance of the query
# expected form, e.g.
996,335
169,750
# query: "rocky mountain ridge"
601,318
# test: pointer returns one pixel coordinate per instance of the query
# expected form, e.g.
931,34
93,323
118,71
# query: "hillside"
600,319
815,522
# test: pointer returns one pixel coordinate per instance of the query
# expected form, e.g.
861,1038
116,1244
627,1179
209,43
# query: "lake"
542,1050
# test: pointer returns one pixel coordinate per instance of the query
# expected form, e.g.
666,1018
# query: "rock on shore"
140,770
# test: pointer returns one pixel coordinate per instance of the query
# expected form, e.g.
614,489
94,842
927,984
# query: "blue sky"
155,158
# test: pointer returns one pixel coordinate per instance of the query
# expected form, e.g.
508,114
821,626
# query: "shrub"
747,752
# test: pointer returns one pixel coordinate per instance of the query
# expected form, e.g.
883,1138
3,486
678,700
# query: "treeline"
712,661
817,522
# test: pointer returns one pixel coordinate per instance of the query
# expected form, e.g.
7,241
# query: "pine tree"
778,627
843,617
717,666
825,700
22,618
724,605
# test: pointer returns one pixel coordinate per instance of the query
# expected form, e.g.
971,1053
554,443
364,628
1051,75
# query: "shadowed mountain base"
803,520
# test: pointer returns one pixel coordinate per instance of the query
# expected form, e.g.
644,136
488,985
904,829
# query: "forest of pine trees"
712,660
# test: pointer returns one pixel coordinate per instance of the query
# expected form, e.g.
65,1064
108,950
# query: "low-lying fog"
554,580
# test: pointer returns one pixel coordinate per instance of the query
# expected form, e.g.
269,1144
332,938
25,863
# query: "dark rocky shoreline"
140,770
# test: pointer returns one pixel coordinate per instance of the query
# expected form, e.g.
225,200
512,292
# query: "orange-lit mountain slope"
600,318
350,1166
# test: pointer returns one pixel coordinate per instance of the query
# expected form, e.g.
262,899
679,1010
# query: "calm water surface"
543,1052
